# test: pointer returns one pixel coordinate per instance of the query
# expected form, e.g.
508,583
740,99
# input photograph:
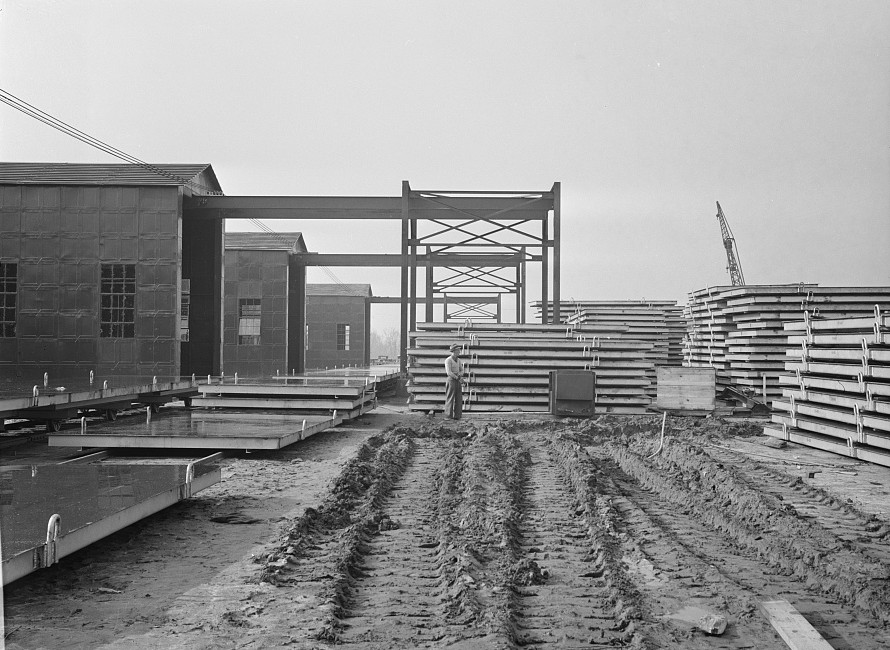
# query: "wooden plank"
790,624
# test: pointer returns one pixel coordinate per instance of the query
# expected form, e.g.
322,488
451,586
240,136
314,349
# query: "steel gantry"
474,246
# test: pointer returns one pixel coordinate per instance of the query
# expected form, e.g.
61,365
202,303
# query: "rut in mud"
576,534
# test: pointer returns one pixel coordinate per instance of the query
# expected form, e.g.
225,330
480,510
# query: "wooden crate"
685,389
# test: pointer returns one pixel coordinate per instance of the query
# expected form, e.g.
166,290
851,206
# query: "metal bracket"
802,384
860,431
50,553
793,412
786,436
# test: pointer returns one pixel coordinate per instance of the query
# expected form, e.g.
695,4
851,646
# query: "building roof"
266,241
360,290
12,173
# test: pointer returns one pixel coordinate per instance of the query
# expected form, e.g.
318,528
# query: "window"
117,318
8,282
342,336
249,312
185,303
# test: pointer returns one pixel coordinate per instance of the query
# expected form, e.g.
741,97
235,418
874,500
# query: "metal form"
55,406
200,429
43,520
732,251
470,244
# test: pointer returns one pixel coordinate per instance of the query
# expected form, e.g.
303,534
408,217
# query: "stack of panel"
739,331
837,387
508,365
312,395
660,322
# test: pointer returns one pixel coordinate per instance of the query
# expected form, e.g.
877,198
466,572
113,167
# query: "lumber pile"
836,388
508,365
739,331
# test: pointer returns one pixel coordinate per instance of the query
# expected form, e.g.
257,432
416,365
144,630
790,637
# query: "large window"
117,317
249,313
342,336
8,289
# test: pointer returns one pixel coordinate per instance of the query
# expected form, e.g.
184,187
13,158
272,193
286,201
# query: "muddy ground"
401,531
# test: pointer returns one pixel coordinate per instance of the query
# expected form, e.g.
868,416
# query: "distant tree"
385,343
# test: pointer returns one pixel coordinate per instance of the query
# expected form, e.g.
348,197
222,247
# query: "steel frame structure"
474,246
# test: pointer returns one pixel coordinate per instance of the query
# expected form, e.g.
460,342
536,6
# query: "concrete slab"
199,429
50,511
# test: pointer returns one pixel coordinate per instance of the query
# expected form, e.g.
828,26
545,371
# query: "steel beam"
363,207
455,259
438,300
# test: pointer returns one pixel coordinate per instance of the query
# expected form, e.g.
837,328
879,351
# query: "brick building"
338,321
102,270
264,304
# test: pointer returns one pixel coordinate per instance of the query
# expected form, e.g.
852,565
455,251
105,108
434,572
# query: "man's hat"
454,346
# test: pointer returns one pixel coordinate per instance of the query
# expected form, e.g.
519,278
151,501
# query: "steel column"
412,305
557,314
545,275
430,316
403,338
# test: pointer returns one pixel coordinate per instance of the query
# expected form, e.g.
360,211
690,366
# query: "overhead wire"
42,116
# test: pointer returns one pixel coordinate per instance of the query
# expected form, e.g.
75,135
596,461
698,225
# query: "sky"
647,113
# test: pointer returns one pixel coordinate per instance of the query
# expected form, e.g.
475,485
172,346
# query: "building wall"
59,236
262,275
202,265
323,314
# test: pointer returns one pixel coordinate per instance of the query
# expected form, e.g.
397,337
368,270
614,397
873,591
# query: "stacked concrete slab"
508,365
739,331
836,386
660,322
312,395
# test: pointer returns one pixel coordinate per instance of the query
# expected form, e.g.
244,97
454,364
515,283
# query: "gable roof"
266,241
12,173
359,290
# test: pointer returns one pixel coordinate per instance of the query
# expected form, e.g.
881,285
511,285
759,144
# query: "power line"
327,271
42,116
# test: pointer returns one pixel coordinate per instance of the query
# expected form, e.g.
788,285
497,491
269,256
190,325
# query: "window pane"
117,313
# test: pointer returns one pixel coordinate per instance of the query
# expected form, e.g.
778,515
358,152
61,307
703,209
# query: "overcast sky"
646,112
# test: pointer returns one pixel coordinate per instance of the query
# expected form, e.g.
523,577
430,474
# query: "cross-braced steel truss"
474,246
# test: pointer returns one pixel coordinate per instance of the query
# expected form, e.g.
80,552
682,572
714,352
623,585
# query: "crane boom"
732,262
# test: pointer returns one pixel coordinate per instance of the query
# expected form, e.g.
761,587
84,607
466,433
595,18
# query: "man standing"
453,379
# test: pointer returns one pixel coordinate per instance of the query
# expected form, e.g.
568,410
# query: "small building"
338,324
102,270
264,304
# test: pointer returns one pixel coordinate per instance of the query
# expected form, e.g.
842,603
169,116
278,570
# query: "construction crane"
732,252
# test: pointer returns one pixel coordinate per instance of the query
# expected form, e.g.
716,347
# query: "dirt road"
490,533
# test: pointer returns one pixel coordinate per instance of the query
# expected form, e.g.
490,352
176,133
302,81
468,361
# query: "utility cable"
42,116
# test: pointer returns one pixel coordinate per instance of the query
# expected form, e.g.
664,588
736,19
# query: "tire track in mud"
868,533
761,545
312,564
575,600
685,573
400,594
